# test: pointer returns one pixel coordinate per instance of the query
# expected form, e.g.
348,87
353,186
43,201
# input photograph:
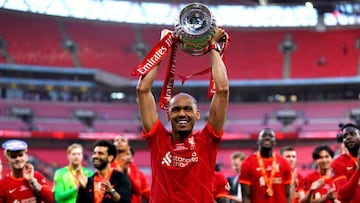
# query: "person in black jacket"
106,185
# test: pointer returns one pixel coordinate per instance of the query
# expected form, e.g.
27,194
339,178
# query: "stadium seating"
32,39
115,117
107,46
11,123
252,54
325,54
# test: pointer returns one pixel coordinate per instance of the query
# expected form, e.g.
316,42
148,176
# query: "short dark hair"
106,143
347,125
318,149
286,148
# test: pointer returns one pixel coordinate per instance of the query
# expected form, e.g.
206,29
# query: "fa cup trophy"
194,28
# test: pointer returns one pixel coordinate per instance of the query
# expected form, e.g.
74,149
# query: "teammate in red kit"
1,169
265,176
326,192
221,186
23,183
183,161
346,168
297,186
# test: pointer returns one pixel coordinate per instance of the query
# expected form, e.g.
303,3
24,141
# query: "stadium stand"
325,54
117,117
253,54
103,45
33,39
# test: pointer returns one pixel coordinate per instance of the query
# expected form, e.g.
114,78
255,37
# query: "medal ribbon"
268,180
98,191
168,86
74,174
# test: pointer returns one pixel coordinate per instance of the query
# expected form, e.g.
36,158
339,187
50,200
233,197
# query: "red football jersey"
145,187
251,175
221,185
18,190
136,184
299,188
323,190
182,171
346,178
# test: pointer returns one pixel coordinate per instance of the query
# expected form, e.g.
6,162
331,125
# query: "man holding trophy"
182,161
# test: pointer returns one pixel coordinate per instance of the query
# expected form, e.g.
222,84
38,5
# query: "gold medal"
269,192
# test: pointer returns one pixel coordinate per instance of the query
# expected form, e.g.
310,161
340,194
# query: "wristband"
35,185
216,47
112,192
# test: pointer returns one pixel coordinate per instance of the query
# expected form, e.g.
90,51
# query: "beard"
184,133
101,165
353,149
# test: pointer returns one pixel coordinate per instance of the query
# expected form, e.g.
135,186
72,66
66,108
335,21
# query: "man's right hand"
317,184
82,178
219,34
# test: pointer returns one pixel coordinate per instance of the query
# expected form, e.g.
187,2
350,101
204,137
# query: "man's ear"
198,116
111,158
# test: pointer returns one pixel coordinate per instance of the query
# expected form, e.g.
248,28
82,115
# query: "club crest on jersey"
192,143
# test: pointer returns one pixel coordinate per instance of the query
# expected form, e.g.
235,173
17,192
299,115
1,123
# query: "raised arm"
145,98
219,103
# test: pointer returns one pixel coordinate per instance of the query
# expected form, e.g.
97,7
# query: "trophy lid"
195,19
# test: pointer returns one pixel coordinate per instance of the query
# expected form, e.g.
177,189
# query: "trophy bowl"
194,28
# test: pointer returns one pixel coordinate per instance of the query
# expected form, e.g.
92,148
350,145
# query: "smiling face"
101,158
17,159
182,114
324,160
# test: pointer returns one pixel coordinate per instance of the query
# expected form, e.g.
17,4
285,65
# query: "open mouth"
182,123
96,161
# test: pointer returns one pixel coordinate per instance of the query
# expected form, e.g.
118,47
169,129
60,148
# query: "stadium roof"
231,13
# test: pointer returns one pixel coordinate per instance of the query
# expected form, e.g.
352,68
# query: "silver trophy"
194,28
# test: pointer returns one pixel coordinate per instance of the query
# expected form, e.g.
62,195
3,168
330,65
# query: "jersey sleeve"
215,135
2,190
246,172
346,188
45,194
135,181
145,187
307,181
300,183
287,172
222,186
152,131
